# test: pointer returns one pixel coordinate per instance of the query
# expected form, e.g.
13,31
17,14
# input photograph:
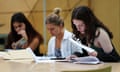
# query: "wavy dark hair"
91,22
31,32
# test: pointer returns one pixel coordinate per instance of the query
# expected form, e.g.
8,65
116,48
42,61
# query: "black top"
113,56
78,54
37,53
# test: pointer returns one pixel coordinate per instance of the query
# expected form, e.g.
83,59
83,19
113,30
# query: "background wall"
108,11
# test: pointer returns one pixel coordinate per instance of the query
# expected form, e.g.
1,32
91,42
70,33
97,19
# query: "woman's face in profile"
79,25
18,26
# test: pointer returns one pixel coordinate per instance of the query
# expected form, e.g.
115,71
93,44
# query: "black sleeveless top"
37,53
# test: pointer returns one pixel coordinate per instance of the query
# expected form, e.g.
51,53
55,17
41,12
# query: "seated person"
93,33
23,35
59,44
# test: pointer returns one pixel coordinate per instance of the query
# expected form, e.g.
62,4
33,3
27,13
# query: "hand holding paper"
88,49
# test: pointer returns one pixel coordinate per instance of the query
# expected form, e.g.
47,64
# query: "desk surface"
9,66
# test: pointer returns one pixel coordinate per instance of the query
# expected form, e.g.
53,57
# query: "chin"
52,35
82,33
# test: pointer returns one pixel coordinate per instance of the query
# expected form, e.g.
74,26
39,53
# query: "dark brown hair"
91,22
31,32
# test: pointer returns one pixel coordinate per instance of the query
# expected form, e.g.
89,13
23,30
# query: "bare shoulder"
34,43
36,39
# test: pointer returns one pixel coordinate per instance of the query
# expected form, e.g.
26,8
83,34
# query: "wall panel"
108,11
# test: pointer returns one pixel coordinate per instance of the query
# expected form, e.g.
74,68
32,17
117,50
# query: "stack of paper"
86,60
16,54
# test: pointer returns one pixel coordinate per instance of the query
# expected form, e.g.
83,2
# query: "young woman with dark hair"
23,35
93,33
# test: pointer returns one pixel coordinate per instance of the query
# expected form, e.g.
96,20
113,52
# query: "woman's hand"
70,57
14,45
93,53
23,34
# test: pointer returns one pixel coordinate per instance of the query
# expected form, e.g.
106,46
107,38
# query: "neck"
60,35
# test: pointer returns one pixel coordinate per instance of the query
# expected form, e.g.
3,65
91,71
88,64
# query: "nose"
77,25
17,29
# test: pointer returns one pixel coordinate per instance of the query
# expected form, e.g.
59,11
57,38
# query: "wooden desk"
8,66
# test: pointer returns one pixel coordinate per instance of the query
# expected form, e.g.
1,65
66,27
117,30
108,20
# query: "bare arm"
33,45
